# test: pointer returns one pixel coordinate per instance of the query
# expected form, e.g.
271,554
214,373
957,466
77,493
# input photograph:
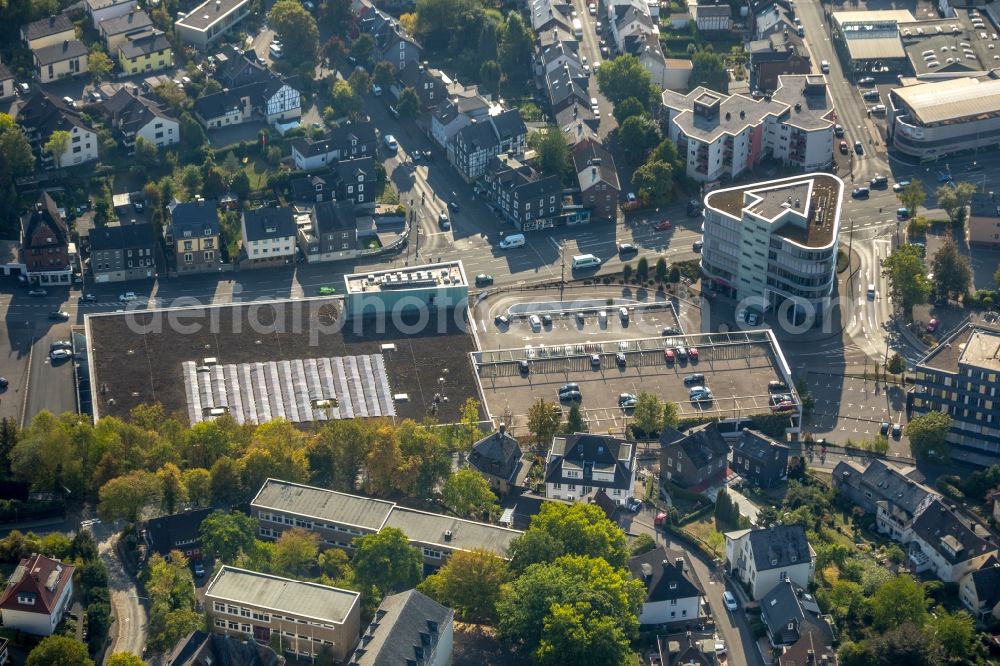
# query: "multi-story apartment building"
211,20
895,495
579,465
338,518
123,252
598,178
759,459
764,558
194,235
776,241
45,244
526,199
115,31
269,236
475,144
134,116
303,619
947,544
349,141
58,61
722,135
960,378
41,116
147,51
102,10
983,224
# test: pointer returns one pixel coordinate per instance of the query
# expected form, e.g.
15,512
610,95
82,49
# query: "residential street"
128,631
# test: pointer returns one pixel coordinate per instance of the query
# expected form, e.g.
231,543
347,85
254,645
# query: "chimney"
502,429
810,657
666,564
447,535
679,563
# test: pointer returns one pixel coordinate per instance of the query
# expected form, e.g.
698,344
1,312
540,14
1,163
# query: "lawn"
706,531
258,171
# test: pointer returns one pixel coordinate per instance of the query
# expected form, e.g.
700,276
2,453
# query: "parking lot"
736,367
854,408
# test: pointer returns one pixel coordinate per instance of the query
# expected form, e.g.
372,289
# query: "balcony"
919,562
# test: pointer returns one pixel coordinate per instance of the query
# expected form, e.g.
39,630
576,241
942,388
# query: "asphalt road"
128,633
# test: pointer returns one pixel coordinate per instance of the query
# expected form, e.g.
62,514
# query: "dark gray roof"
194,218
45,213
703,444
986,580
889,483
167,531
145,43
508,124
788,610
134,20
218,104
45,113
539,187
666,573
984,205
5,72
53,53
757,446
123,237
714,10
341,138
779,546
590,154
497,454
331,217
130,111
236,68
262,223
348,170
407,626
564,83
201,649
592,452
47,26
955,540
477,136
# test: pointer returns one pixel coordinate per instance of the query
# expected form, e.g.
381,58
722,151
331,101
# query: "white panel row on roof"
300,390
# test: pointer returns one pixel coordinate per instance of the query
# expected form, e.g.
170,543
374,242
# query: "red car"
669,355
664,225
693,353
932,325
843,147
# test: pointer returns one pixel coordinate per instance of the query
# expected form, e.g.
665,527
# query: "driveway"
128,633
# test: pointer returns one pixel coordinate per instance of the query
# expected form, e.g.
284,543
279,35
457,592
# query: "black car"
694,378
884,430
523,367
860,192
627,248
4,383
570,396
669,330
693,207
620,359
89,298
59,315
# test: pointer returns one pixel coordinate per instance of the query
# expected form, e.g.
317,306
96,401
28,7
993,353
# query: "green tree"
655,182
954,199
385,74
671,414
574,420
409,104
517,47
489,77
905,644
572,529
145,154
57,145
172,490
295,552
913,196
647,417
575,610
240,186
952,272
362,48
897,364
709,70
192,134
552,149
334,563
954,634
627,108
927,433
642,269
625,77
469,582
627,271
345,100
226,535
901,600
18,161
125,497
544,419
360,82
278,449
59,651
386,561
661,270
638,135
170,587
338,452
99,63
198,482
226,489
123,659
846,601
908,284
468,494
297,30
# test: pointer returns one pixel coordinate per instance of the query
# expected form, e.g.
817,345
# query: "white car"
729,600
128,296
536,323
60,354
390,142
592,8
825,66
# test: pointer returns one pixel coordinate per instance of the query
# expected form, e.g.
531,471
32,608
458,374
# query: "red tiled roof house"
37,595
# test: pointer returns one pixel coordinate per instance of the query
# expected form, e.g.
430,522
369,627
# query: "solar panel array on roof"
300,390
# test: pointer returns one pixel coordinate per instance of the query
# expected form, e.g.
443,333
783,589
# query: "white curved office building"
775,242
943,117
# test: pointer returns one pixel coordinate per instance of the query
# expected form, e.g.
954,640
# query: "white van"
512,241
585,261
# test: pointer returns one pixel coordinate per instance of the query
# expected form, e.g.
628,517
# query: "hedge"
14,511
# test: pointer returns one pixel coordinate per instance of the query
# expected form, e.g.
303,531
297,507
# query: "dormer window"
26,598
187,233
271,230
208,231
795,558
774,563
673,586
361,177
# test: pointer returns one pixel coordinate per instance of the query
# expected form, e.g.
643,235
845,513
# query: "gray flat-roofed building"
316,506
960,377
437,535
870,40
320,618
211,20
944,117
